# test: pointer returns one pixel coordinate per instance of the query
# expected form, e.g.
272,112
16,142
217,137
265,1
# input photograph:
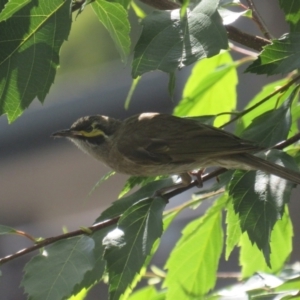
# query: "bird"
153,144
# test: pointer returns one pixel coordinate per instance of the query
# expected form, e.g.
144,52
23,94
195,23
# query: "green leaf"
94,275
204,91
80,296
146,293
233,230
11,7
259,200
224,3
30,43
134,181
101,180
124,3
168,42
252,260
118,207
292,16
128,246
138,11
229,16
272,126
53,274
131,91
7,230
281,57
196,255
172,84
184,7
115,19
272,103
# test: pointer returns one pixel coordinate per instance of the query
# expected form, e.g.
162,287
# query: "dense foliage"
125,236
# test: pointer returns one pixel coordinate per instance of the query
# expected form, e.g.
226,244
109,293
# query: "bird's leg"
198,174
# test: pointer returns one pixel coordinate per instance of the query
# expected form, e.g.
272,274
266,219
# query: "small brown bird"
152,144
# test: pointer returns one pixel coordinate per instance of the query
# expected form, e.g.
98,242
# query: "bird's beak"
64,133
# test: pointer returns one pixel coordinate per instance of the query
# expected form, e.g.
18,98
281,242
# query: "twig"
51,240
161,4
25,234
288,142
258,20
251,41
244,112
242,51
228,275
112,221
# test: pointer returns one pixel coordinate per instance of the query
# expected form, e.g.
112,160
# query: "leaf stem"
244,112
51,240
258,20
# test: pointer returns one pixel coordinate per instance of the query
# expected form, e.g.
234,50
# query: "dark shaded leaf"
7,230
134,181
169,42
259,200
272,126
30,43
53,274
120,206
251,258
292,16
281,57
94,275
128,246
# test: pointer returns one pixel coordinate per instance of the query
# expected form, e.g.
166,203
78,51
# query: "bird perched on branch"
151,144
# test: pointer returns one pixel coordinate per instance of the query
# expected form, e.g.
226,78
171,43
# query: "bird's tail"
258,163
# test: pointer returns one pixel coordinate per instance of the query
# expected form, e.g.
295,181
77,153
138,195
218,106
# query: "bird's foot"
198,174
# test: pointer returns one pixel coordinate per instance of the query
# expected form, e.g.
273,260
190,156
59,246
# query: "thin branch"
161,4
258,20
228,275
244,112
288,142
251,41
243,51
54,239
113,221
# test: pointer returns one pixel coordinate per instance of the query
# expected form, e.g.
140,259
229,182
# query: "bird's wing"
169,139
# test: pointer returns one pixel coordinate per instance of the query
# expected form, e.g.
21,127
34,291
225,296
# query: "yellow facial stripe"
95,132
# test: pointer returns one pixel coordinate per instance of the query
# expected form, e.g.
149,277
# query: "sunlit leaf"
196,255
252,259
115,19
271,127
272,103
259,199
11,7
210,92
233,230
